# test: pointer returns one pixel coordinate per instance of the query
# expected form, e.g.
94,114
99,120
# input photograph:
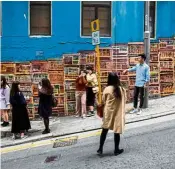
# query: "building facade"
42,30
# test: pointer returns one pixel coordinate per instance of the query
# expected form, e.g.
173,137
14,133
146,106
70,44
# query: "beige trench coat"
114,110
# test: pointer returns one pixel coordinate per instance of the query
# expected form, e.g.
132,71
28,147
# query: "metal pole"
147,46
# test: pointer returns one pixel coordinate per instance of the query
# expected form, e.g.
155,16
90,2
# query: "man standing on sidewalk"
142,81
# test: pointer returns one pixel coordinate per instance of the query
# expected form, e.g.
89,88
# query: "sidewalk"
69,125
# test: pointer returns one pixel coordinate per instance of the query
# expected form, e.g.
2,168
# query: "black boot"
5,124
46,131
117,151
102,141
46,123
100,151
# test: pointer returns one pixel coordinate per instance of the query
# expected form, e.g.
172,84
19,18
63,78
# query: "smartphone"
39,85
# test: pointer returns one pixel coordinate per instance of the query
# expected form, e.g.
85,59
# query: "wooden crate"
167,78
105,52
69,85
37,77
166,66
39,66
23,68
23,78
166,89
71,59
135,48
9,77
8,68
56,77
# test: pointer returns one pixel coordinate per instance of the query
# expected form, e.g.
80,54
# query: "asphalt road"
147,145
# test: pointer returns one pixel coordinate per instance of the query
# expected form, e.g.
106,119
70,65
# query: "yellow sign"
95,25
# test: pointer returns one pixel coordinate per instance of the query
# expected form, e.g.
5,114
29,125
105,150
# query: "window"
40,18
152,18
92,10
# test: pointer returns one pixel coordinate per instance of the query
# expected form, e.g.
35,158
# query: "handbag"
100,109
54,101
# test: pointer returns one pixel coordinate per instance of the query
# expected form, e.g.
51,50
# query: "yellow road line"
48,142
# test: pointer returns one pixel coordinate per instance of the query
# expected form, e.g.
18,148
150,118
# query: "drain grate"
52,158
65,142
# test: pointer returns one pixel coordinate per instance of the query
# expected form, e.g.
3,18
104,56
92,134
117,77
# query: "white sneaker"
139,112
134,111
84,116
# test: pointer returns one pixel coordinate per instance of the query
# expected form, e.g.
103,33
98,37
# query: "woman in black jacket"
20,118
45,103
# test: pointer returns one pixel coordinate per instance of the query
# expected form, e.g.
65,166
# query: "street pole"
147,47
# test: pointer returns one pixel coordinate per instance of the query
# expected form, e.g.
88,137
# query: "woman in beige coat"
114,99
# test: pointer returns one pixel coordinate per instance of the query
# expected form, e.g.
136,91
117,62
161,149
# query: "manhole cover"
52,159
65,142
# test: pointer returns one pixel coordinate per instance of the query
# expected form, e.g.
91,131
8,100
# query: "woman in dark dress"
20,118
45,103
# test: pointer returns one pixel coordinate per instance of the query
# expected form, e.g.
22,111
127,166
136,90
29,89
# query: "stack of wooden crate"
105,65
154,85
56,76
71,72
166,52
121,63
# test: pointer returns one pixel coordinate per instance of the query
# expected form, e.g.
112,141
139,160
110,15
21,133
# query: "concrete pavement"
148,145
69,125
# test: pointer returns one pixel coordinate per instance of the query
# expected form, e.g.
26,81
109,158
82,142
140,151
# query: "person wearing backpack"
45,103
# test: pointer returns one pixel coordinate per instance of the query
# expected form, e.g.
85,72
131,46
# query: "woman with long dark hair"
4,101
45,103
92,83
114,99
20,118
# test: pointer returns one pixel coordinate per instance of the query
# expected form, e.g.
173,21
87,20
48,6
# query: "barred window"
40,18
92,10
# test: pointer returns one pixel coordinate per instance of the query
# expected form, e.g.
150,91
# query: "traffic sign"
95,32
96,38
95,25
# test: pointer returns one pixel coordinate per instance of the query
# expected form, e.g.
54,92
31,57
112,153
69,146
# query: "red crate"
23,68
39,66
56,77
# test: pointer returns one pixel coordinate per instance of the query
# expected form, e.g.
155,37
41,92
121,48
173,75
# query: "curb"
132,120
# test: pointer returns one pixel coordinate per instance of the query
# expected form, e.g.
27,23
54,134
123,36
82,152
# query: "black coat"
20,118
45,105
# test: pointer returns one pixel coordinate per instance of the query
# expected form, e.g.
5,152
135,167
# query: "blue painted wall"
127,26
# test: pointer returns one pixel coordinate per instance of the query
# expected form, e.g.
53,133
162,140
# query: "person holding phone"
45,102
81,95
92,85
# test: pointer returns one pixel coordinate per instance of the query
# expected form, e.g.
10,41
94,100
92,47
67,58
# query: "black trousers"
137,91
90,100
103,138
